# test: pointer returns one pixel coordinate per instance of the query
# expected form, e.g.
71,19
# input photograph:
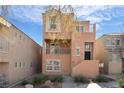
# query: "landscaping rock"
29,86
48,82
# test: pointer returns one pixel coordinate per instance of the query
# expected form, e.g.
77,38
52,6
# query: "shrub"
24,82
57,79
121,81
45,77
40,79
37,79
80,79
100,78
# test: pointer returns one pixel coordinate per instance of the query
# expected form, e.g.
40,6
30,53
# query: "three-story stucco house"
68,51
19,54
110,51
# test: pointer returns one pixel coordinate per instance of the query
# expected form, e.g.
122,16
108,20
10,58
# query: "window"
31,64
53,22
53,66
108,42
20,64
20,37
16,65
78,51
117,42
88,51
53,48
79,28
15,35
23,64
112,42
1,45
88,46
116,58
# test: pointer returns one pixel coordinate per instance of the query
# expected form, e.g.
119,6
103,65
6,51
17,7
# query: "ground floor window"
53,65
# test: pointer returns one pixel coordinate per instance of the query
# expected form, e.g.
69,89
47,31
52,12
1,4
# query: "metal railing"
58,51
3,82
118,49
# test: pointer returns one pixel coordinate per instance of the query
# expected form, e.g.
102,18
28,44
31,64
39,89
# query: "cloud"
96,14
26,13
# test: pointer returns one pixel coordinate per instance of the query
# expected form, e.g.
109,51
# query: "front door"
87,55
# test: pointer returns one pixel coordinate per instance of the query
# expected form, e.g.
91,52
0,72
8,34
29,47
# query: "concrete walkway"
69,83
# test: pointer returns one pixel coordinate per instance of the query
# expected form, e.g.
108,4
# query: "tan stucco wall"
114,67
105,56
23,50
86,68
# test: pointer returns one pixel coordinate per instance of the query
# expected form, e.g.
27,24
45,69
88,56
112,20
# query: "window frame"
53,65
78,51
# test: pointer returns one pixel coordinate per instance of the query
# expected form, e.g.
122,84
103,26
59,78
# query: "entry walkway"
69,83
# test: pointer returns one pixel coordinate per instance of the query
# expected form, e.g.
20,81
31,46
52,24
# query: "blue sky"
28,19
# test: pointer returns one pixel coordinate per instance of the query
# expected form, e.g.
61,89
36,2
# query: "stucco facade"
70,54
110,51
19,55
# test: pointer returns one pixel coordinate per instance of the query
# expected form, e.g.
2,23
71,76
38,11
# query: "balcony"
57,35
116,49
58,51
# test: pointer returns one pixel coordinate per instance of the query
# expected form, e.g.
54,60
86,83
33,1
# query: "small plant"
121,81
37,79
80,79
40,79
57,79
24,82
45,77
100,78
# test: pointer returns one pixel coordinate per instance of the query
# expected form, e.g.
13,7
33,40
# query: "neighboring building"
19,54
68,52
110,51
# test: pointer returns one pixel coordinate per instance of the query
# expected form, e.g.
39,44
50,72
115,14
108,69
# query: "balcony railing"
118,49
58,51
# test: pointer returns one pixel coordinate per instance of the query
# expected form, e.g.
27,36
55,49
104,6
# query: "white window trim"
79,51
48,27
53,70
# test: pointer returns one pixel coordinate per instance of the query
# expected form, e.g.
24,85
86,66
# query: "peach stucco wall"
64,62
86,68
69,62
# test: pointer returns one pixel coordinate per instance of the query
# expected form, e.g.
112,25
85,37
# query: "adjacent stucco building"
68,50
110,51
19,54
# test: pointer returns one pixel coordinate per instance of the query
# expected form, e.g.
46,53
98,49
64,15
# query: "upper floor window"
88,46
1,45
118,42
54,48
108,42
112,42
53,22
79,28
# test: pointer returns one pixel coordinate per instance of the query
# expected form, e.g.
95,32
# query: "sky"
109,19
